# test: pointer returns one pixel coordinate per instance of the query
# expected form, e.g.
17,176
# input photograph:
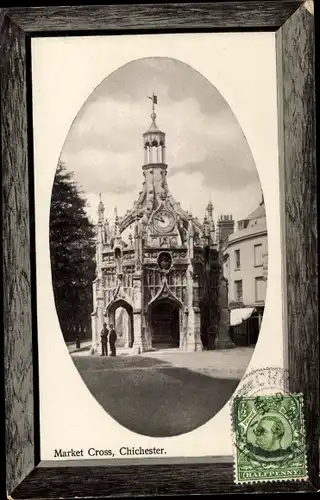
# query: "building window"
237,259
265,265
258,261
243,224
260,289
238,290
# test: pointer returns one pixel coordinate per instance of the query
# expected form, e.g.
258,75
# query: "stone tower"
166,274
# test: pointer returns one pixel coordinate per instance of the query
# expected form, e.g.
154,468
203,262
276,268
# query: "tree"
72,251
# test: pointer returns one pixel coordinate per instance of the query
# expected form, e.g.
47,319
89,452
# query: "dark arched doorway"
120,315
165,324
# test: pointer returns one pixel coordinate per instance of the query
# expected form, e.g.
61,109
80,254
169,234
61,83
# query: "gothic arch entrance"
164,321
120,315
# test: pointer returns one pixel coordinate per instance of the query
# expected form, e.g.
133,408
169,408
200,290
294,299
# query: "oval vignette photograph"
158,246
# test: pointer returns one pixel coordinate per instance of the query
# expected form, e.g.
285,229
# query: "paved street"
163,393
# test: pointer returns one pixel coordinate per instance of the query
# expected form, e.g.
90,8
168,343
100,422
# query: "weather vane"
154,100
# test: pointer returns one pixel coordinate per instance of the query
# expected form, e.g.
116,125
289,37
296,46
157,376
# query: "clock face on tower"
163,221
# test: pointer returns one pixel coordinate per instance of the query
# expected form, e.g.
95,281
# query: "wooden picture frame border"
293,22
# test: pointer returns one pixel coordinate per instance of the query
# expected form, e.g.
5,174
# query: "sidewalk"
226,364
84,346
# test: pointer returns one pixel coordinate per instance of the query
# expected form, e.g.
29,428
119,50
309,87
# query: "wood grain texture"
18,367
129,481
296,66
159,16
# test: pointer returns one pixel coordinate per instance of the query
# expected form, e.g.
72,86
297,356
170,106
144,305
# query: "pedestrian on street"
104,340
211,337
78,345
112,340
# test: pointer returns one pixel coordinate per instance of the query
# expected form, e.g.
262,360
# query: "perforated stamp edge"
235,449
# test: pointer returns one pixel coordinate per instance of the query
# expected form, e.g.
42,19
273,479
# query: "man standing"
112,340
104,340
211,330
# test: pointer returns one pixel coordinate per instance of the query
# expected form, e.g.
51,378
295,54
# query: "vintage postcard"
158,247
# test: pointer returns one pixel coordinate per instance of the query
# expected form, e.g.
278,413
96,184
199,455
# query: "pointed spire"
206,226
100,201
210,210
100,210
116,225
190,225
107,233
136,225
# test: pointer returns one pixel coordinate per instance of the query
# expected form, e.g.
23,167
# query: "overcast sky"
206,151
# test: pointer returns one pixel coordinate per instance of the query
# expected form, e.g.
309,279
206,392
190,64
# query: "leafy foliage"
72,250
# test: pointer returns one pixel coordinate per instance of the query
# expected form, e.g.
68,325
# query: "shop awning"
237,316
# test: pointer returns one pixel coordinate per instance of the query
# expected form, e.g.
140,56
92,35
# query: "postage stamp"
269,438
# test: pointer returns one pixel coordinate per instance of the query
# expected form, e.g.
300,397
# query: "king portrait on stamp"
269,438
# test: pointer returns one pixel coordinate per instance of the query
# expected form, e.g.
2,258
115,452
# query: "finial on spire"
100,204
154,99
209,209
100,210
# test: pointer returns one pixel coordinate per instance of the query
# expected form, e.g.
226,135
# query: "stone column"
100,318
194,340
223,340
137,329
259,319
197,344
112,318
126,330
163,155
95,341
190,315
147,333
138,344
183,326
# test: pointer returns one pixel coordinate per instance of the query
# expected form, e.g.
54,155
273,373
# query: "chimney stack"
225,226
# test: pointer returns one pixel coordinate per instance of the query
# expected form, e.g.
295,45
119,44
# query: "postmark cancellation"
269,438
